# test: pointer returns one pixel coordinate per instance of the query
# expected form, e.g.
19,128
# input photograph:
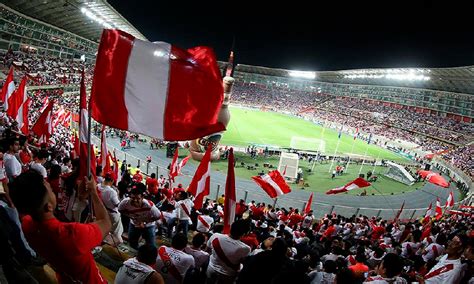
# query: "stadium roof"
81,17
456,79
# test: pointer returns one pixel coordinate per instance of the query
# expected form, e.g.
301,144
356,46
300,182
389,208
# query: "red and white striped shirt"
147,213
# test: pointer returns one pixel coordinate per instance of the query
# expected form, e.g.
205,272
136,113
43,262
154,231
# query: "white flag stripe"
201,185
275,186
146,86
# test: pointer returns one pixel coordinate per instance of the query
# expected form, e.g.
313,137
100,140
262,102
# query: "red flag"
22,118
284,171
399,212
103,150
83,132
428,214
17,99
7,89
42,127
355,184
450,200
76,150
230,200
200,186
108,167
307,208
438,210
175,168
273,184
44,102
155,88
434,178
116,169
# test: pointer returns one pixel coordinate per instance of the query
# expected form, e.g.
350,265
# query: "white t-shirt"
39,168
380,280
181,262
445,271
433,251
307,222
180,212
201,258
204,223
12,165
110,198
233,250
147,213
413,246
3,174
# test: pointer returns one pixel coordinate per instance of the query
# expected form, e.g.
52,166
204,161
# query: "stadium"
406,133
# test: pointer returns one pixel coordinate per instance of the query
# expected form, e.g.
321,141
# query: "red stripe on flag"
230,198
108,87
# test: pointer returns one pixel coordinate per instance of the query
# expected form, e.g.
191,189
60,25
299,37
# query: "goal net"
288,166
308,144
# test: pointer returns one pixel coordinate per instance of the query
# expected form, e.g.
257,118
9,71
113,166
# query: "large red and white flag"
83,132
175,168
450,200
200,186
273,184
43,126
7,89
16,100
355,184
22,117
44,102
438,210
155,88
307,208
230,200
428,213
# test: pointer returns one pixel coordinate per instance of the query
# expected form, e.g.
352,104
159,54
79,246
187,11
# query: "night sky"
296,35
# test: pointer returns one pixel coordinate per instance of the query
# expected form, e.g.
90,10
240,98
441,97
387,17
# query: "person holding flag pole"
365,154
337,147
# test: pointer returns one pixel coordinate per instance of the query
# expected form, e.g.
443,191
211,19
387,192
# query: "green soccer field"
269,128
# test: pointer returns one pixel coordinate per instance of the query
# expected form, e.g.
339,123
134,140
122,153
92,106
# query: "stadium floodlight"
302,74
97,17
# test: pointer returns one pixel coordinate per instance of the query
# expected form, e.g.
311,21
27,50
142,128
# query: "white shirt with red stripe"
183,209
445,271
147,213
173,264
204,223
201,258
380,280
227,254
12,165
409,248
433,251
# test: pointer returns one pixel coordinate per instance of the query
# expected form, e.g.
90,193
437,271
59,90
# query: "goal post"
288,165
308,144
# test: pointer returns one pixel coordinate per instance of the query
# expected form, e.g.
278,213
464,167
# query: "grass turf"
269,128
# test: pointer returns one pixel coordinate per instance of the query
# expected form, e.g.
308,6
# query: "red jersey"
137,177
295,219
152,185
67,247
25,157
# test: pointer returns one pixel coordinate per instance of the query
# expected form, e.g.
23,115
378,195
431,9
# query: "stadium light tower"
302,74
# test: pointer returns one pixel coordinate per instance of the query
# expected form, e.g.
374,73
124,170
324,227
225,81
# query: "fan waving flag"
355,184
155,88
428,214
273,184
83,130
43,126
307,208
16,100
230,200
176,167
7,89
450,200
200,186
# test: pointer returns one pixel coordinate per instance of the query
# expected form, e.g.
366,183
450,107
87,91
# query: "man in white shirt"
183,212
204,221
432,251
228,253
201,258
111,201
308,220
388,271
40,159
142,213
12,164
449,269
172,263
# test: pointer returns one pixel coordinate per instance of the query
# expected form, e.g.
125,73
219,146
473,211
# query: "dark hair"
153,175
360,257
330,266
344,275
147,254
239,228
137,188
28,192
393,265
198,240
54,172
279,247
42,154
179,241
66,160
